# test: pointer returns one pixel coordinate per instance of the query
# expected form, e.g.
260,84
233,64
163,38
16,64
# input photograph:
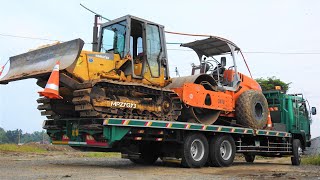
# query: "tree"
14,136
270,82
3,136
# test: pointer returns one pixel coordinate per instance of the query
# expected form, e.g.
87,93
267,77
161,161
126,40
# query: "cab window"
153,49
113,38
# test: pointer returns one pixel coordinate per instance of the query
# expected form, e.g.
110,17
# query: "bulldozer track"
56,108
84,97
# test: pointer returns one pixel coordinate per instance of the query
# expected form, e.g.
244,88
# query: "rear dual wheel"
222,151
219,152
195,151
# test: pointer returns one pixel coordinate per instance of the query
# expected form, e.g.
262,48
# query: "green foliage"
311,160
36,136
14,135
17,136
270,82
3,136
18,148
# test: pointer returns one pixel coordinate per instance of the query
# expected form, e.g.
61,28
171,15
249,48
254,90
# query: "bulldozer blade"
40,62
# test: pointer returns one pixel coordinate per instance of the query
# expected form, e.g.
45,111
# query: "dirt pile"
50,147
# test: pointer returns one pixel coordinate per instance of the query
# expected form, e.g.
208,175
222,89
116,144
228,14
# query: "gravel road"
68,166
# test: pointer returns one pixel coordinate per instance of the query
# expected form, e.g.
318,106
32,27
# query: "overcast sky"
281,27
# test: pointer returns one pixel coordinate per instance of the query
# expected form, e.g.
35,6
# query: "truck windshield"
113,38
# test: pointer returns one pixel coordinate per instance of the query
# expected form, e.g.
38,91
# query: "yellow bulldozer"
126,75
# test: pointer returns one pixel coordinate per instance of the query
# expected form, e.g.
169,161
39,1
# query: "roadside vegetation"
19,137
19,148
269,83
100,154
36,148
311,160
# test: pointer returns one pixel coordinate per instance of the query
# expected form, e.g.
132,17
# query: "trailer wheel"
249,157
148,156
297,152
195,151
222,151
252,109
145,160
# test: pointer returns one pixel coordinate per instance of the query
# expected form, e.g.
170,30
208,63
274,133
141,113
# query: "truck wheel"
195,151
222,151
148,156
145,159
297,152
249,157
252,109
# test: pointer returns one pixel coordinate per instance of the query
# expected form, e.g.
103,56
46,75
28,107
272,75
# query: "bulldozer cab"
217,58
141,41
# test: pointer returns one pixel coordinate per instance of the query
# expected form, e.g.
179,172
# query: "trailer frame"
135,137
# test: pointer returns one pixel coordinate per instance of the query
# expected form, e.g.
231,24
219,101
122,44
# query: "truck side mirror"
313,110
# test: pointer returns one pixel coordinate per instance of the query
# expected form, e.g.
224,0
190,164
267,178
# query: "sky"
279,38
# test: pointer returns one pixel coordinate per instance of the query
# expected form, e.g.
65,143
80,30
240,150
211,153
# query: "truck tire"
195,151
145,159
222,151
252,109
249,157
148,155
297,152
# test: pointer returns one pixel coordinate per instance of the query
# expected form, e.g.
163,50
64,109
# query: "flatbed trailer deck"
144,141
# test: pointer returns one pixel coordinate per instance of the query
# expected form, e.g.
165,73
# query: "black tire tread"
295,160
187,160
249,158
244,110
215,159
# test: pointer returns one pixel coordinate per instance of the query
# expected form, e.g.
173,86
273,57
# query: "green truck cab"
291,113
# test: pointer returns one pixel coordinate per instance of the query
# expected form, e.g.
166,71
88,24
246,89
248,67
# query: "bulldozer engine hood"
40,62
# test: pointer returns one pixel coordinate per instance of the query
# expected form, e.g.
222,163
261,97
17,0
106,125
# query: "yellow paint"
60,142
149,123
91,66
138,105
105,122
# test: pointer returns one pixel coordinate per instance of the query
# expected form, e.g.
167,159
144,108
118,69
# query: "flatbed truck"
144,141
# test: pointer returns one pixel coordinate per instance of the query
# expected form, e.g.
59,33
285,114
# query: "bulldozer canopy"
211,46
40,62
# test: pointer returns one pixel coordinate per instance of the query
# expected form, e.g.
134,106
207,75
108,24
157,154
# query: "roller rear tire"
252,109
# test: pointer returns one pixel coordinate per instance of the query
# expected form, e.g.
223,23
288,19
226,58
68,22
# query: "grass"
34,149
19,148
100,154
311,160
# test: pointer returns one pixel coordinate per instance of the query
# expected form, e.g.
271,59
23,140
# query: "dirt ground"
68,165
